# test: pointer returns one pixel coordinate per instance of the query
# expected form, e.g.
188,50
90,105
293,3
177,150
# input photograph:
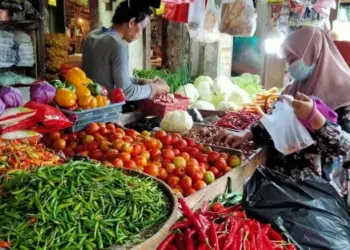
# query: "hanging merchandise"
196,15
212,14
238,18
176,12
324,7
178,1
161,9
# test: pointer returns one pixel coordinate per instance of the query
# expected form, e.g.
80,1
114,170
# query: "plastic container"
149,107
83,118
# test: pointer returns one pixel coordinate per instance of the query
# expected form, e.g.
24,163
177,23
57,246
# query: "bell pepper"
57,84
71,87
93,103
95,89
84,101
101,101
117,96
76,77
82,91
65,97
88,80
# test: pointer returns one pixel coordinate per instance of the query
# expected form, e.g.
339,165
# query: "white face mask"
299,70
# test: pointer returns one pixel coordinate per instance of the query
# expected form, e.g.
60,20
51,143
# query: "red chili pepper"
214,242
277,247
238,243
239,215
32,220
273,235
233,230
266,242
180,241
252,238
204,207
266,229
5,244
291,247
166,242
231,209
189,239
203,246
181,224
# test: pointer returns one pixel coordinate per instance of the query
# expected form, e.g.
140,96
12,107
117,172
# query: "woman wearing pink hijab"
319,70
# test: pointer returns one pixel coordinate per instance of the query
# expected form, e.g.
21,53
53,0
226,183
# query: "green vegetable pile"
174,80
250,83
79,205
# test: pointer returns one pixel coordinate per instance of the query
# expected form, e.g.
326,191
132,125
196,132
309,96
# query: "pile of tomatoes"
186,166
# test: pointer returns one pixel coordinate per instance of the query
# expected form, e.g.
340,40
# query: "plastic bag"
310,212
176,12
238,18
196,14
286,131
211,19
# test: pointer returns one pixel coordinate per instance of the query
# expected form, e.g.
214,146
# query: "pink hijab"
330,80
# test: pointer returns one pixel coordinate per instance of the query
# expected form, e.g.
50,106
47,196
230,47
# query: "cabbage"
227,106
177,122
223,86
205,90
189,91
201,79
42,92
203,105
239,96
248,82
218,99
11,97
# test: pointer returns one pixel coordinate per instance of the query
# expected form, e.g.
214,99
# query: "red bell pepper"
117,96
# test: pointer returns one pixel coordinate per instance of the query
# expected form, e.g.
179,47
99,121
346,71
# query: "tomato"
146,133
192,168
180,145
199,185
157,158
140,161
173,181
224,156
212,156
81,134
170,168
124,157
59,144
207,149
163,174
190,191
227,169
131,132
197,176
194,152
136,150
165,162
193,161
101,124
185,155
110,126
159,144
127,148
88,139
220,163
79,148
174,139
168,154
150,143
111,155
117,162
190,142
202,168
179,172
99,137
167,140
214,170
55,136
179,161
200,147
73,144
115,136
68,152
158,164
119,130
202,158
234,161
118,144
179,192
178,135
159,134
186,182
84,153
209,177
96,154
176,152
103,130
152,169
92,146
167,147
219,175
65,137
146,154
155,152
93,128
217,207
128,139
129,164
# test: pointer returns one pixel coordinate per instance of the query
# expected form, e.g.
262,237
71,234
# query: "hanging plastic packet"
238,18
196,14
211,18
286,131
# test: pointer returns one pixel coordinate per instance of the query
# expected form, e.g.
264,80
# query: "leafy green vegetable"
250,83
79,205
174,80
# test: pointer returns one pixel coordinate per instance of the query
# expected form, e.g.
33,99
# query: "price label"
52,2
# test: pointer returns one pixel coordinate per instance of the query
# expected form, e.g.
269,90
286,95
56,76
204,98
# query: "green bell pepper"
95,89
57,84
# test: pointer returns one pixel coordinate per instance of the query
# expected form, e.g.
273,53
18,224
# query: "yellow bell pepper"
65,97
88,81
76,77
82,90
84,101
93,103
101,101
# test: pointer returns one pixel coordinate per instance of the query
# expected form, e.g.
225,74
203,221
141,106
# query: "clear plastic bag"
196,14
238,18
286,131
211,19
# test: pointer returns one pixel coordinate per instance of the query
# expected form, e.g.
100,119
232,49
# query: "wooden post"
147,47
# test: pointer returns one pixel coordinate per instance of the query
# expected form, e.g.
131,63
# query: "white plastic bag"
211,19
286,131
196,14
238,18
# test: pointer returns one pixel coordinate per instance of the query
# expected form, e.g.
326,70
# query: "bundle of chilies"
239,120
224,229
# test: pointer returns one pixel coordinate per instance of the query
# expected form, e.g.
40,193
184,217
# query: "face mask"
299,70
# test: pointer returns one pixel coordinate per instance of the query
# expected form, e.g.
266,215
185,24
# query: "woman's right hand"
160,88
232,138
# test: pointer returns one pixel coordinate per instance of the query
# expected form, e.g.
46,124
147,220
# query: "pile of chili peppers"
239,120
224,229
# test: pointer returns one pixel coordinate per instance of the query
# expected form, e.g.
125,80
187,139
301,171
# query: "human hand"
232,138
160,88
303,106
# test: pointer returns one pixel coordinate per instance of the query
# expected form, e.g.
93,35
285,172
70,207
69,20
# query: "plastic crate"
149,107
83,118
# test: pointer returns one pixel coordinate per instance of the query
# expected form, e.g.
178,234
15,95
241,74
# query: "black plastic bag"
309,212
